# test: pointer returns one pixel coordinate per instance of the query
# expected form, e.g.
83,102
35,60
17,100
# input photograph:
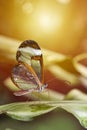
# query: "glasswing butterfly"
28,73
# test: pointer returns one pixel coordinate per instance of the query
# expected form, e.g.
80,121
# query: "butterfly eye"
45,85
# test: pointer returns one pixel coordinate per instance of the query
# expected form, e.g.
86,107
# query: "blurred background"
57,25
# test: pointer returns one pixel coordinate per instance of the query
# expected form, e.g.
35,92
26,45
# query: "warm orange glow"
27,7
58,25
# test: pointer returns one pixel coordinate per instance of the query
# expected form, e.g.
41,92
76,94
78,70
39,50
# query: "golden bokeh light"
27,7
58,25
45,21
48,22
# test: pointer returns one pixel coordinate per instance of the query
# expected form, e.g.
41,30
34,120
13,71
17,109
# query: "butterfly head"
43,87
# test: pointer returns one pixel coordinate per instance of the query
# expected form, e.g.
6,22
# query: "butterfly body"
28,73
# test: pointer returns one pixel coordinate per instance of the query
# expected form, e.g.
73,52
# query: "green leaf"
63,67
25,111
79,110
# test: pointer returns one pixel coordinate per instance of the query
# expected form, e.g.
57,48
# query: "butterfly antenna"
50,80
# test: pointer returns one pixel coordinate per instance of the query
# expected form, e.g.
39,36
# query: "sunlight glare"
45,21
48,22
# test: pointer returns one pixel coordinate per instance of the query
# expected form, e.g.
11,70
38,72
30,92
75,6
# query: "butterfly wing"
30,53
24,77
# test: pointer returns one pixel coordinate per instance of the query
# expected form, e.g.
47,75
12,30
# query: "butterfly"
28,73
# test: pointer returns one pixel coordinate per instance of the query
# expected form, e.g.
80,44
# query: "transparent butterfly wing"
30,53
24,78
